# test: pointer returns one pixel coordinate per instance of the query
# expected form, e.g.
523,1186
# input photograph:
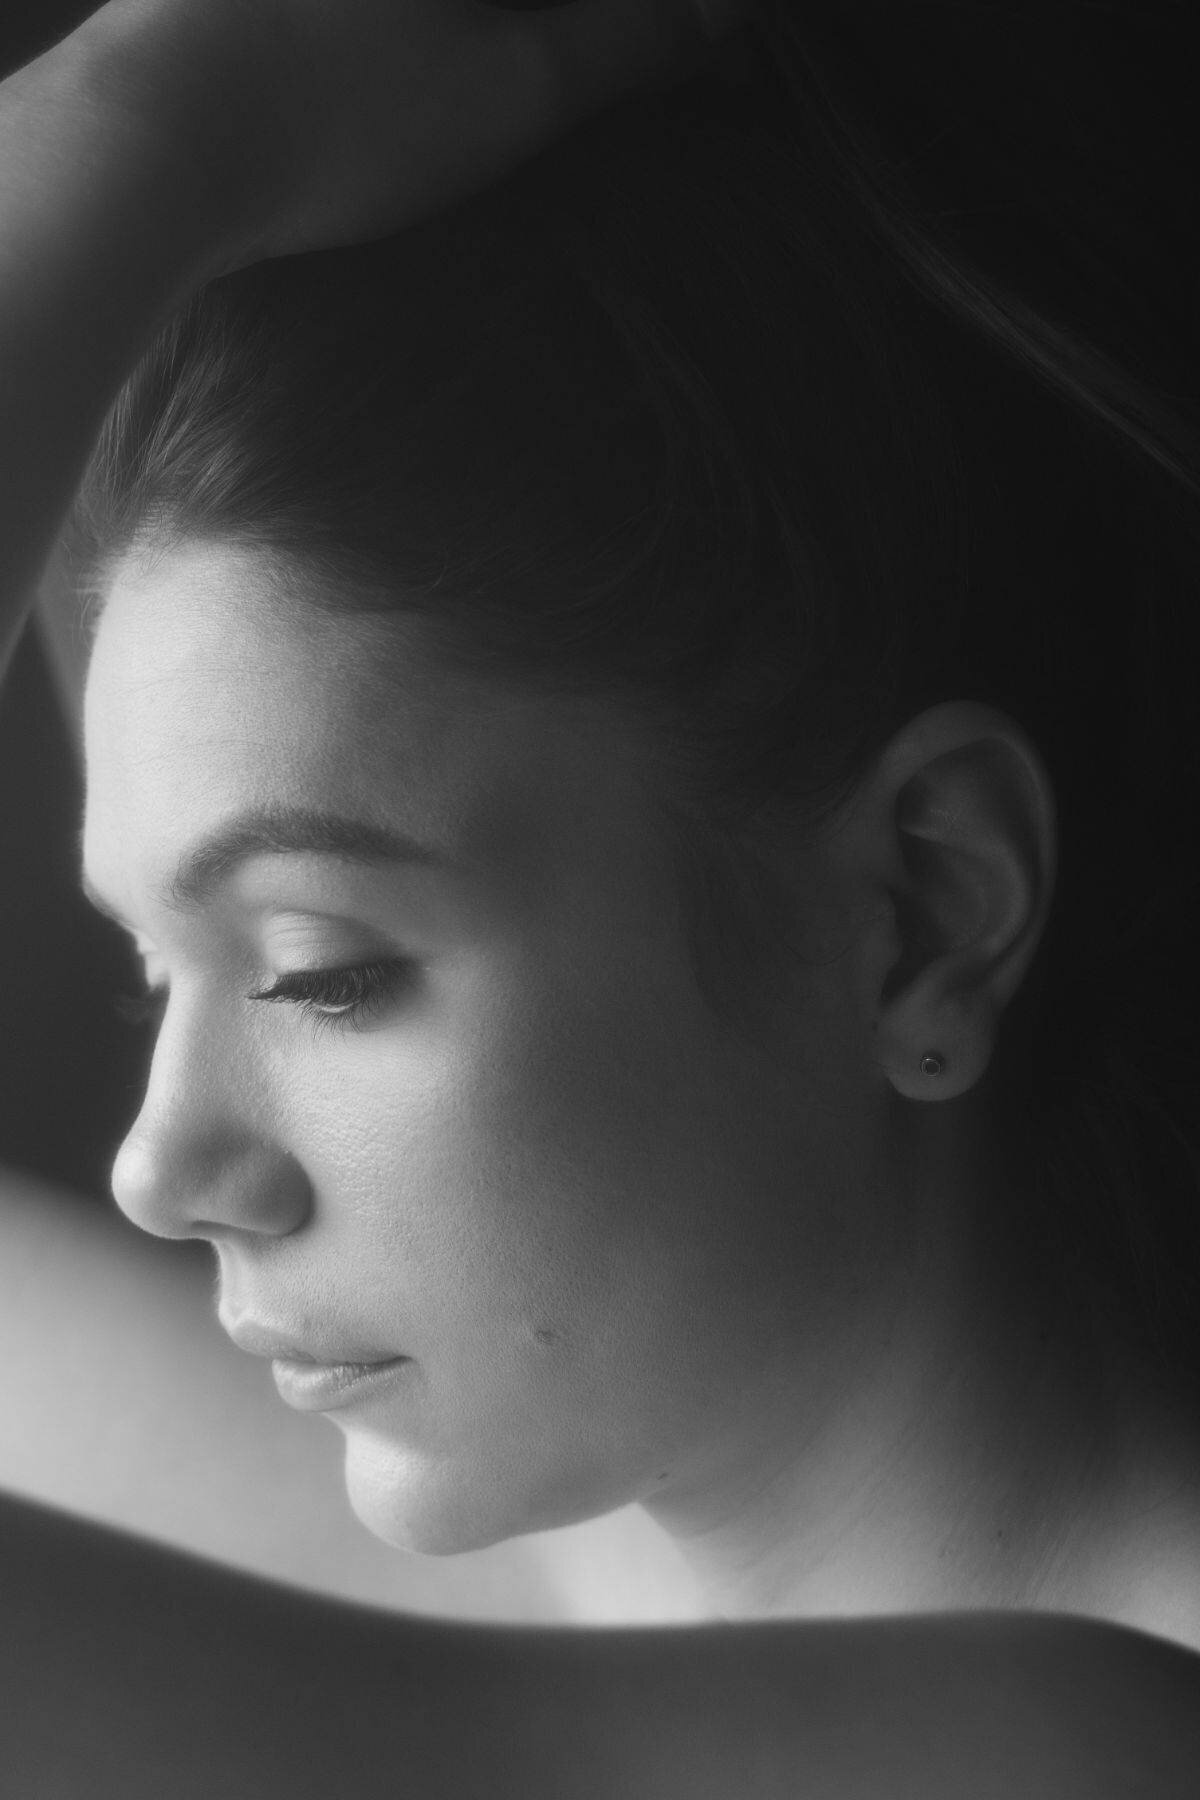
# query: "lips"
323,1387
265,1340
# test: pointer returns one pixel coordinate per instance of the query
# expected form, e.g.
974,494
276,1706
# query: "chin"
427,1506
441,1506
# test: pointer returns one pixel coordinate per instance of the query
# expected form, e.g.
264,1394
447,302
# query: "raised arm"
165,141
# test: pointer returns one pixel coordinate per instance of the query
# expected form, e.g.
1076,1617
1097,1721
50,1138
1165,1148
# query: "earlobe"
965,813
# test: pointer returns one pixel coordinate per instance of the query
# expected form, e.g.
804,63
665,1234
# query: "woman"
610,1044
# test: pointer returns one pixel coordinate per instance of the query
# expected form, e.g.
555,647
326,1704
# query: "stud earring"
932,1064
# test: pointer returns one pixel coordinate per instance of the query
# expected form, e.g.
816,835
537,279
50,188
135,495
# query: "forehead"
213,690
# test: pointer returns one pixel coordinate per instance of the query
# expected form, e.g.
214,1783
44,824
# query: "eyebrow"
279,831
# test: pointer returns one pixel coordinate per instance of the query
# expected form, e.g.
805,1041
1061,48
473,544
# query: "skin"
123,1669
265,1692
518,1173
633,1254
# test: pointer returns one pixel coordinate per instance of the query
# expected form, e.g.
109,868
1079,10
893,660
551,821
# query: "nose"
202,1159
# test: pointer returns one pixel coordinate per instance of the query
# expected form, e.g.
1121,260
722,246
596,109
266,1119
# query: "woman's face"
515,1148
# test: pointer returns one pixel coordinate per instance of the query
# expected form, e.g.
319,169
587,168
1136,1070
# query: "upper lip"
263,1340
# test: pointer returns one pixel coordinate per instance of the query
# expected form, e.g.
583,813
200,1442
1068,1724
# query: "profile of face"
435,1077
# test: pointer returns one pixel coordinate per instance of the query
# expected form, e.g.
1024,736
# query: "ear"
959,822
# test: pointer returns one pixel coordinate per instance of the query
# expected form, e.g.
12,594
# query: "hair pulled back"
700,413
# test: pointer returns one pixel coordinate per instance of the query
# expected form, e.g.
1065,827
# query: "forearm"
107,220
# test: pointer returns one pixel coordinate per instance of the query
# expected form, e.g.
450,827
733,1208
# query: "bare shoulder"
999,1705
124,1664
972,1706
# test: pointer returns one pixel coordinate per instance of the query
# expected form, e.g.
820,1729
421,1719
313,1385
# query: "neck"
970,1454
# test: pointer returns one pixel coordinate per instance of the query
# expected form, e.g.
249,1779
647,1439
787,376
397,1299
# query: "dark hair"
701,413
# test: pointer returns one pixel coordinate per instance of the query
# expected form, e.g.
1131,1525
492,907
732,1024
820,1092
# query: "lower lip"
321,1387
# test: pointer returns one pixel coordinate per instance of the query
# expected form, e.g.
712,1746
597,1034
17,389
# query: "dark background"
1058,143
70,1070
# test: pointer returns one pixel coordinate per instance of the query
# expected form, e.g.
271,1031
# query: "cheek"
520,1175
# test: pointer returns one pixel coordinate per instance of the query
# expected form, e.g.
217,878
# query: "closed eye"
344,996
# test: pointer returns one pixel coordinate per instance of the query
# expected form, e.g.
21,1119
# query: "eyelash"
338,997
341,998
